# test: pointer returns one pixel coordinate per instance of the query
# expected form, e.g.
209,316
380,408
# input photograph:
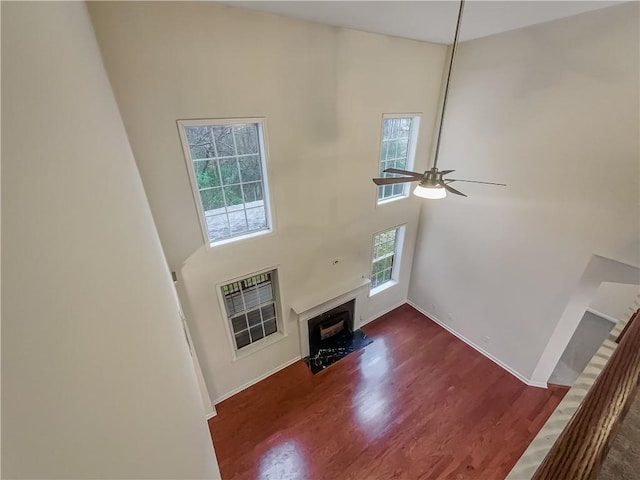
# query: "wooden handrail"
583,444
633,318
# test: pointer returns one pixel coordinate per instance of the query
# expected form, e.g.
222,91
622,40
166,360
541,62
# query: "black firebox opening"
332,337
331,323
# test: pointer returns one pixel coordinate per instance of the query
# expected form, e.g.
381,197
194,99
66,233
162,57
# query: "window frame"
412,147
397,258
195,191
264,342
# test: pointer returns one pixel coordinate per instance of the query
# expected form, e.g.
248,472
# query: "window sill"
239,238
259,345
382,288
391,200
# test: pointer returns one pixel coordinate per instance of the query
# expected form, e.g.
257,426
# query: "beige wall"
552,110
97,381
615,300
323,91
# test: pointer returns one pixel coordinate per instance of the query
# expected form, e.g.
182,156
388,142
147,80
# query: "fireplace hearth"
332,337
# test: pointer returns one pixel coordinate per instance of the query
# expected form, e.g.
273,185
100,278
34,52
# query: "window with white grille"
399,138
385,261
251,308
227,168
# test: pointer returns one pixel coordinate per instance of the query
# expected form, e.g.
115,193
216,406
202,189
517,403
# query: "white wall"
552,110
96,376
323,92
615,300
599,270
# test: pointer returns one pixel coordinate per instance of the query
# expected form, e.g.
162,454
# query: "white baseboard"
479,349
286,364
384,312
256,380
602,315
212,414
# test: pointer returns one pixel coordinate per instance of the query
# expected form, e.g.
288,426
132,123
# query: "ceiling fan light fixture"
432,182
431,192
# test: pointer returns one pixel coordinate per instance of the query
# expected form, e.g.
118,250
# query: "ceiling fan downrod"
432,183
445,96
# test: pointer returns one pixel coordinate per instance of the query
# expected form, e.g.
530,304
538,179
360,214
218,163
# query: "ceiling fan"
432,184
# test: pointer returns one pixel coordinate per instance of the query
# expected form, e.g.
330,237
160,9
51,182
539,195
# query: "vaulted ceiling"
430,21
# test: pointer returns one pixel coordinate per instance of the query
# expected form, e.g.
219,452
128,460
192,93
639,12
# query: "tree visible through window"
397,151
228,169
384,253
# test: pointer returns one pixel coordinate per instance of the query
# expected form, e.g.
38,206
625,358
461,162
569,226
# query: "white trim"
598,270
290,362
264,342
384,312
256,380
209,409
532,383
498,362
258,345
401,115
398,247
261,122
382,287
355,294
238,238
393,199
603,315
214,413
412,148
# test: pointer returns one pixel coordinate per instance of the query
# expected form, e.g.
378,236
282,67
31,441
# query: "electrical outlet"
450,315
486,339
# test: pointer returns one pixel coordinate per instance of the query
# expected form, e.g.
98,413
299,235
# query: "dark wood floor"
415,404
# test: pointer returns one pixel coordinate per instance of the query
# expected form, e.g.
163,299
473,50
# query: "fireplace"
329,299
337,321
332,336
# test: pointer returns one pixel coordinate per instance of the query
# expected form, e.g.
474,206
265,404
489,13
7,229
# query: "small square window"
226,161
251,308
385,258
398,148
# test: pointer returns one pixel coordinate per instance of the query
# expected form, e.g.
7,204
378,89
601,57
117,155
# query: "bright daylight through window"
385,251
399,136
229,176
251,308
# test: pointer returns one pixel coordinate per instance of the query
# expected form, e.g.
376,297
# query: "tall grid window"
228,172
399,136
251,308
384,256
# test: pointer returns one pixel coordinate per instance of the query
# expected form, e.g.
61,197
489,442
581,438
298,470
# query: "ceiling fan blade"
452,190
446,172
475,181
387,181
403,172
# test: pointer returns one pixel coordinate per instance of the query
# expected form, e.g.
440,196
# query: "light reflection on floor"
374,361
283,462
373,399
416,403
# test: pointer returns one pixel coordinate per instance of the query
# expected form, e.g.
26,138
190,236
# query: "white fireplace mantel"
325,301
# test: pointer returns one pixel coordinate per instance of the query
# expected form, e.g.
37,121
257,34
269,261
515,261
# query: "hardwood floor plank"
417,403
